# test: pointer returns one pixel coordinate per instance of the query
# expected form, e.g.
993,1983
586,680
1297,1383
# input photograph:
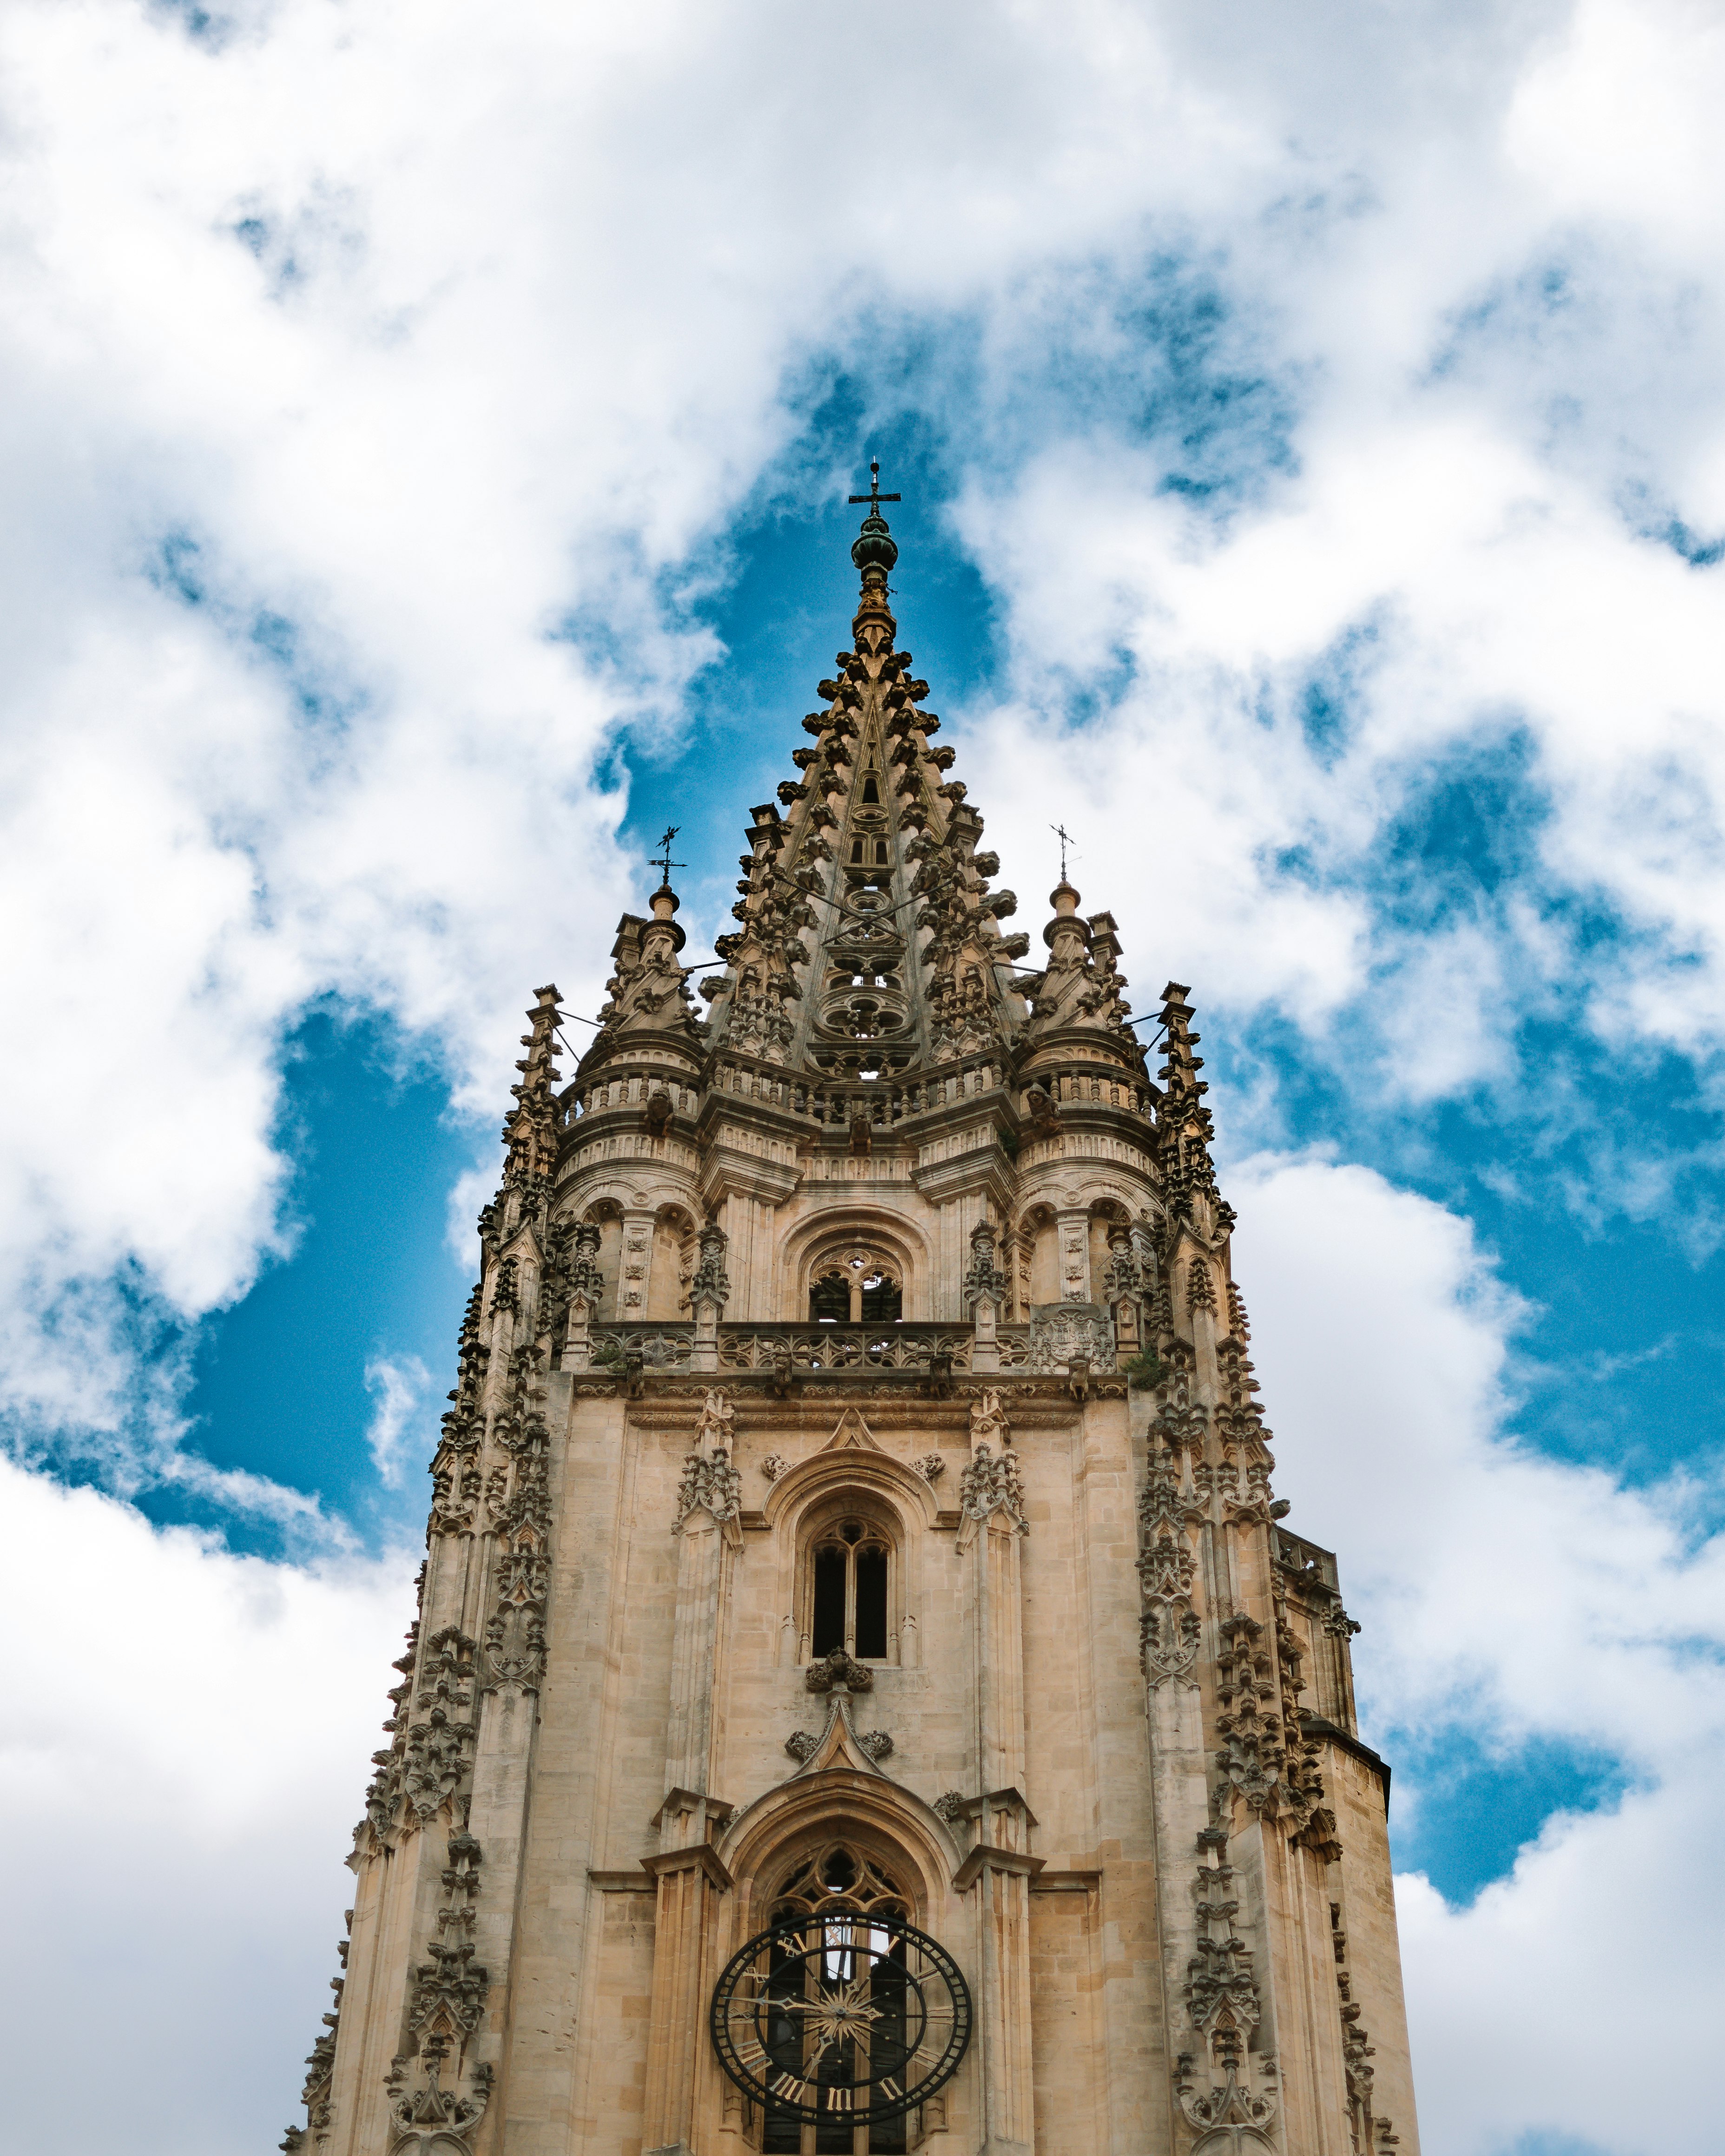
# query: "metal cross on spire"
663,860
1066,839
874,497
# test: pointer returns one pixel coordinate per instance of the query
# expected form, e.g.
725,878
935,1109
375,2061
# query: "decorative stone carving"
384,1795
712,1486
984,1282
648,991
1082,986
711,1483
1217,2110
775,1465
950,1807
839,1668
876,1743
1170,1631
435,1757
518,1499
710,1284
713,1433
930,1466
991,1484
801,1744
586,1280
1221,1999
1063,1335
987,1419
445,2005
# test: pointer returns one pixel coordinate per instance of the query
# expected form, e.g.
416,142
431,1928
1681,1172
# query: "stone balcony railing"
861,1347
804,1349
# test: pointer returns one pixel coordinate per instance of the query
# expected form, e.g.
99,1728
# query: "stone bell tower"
863,1697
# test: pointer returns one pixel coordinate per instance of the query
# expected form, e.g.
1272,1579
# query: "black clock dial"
834,2017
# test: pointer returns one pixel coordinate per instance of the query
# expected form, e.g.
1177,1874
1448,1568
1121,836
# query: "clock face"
841,2017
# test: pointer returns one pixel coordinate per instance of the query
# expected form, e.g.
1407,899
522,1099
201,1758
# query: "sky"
426,433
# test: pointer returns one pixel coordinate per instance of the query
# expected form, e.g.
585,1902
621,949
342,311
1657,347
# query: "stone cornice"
1331,1733
890,1402
986,1856
698,1856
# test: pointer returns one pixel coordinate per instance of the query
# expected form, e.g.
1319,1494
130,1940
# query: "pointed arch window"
843,1882
870,791
849,1592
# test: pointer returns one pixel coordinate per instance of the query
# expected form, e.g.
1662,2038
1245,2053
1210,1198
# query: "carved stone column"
635,1267
587,1284
1000,1870
984,1291
689,1875
691,1879
1000,1866
991,1501
708,1503
708,1293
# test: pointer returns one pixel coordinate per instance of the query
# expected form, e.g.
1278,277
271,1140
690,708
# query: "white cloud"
405,396
181,1766
1504,1596
398,1387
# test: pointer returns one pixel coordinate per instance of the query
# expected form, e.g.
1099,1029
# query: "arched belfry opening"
859,1293
860,1282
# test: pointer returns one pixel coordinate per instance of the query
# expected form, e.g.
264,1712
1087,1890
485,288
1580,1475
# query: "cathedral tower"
863,1697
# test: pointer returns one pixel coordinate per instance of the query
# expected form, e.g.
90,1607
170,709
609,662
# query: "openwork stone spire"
868,946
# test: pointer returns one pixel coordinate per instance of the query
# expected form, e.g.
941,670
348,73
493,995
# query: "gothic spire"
875,843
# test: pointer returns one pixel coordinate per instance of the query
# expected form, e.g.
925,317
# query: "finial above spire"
875,547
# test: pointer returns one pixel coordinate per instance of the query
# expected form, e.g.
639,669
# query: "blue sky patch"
280,1380
1460,1813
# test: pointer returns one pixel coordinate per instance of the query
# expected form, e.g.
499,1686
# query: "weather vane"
874,497
663,860
1065,839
